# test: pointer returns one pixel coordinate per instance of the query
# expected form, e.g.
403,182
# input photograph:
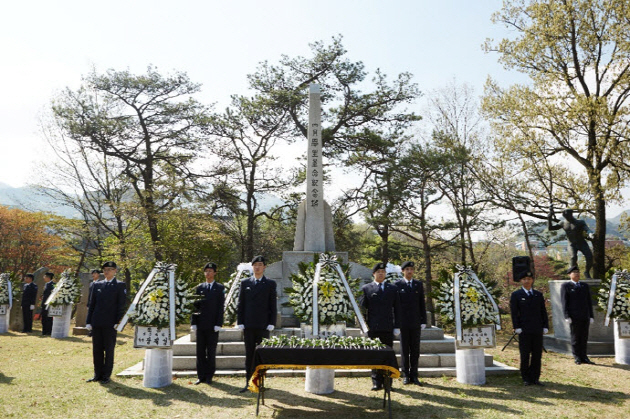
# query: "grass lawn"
45,378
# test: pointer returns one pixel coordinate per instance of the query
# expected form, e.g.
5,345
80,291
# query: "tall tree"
148,123
458,133
28,242
577,55
95,186
247,133
384,185
349,115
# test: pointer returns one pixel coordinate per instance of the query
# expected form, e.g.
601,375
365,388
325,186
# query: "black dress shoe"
587,361
578,362
105,381
538,383
199,382
527,383
243,390
377,387
407,380
93,379
416,381
209,381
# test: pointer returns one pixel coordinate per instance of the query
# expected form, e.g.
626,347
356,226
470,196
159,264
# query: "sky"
46,46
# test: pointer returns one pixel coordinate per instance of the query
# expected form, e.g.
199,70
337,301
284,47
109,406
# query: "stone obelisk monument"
314,230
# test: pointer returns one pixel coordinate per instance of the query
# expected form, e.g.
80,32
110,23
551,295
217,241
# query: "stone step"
234,334
495,368
227,362
183,346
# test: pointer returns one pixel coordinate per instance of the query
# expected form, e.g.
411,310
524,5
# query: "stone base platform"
563,345
437,356
80,331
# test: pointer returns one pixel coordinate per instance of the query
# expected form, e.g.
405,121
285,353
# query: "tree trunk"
428,275
527,243
249,240
599,239
385,244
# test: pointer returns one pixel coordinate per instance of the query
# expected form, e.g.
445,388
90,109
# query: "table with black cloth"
266,358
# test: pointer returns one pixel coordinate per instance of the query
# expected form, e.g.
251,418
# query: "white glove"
193,327
518,331
592,320
115,326
217,328
88,326
423,326
241,326
545,330
32,307
270,327
396,332
568,320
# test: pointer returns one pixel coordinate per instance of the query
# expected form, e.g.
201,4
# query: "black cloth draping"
296,358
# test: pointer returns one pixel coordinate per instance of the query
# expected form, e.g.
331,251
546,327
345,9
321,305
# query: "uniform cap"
408,264
210,265
378,266
259,258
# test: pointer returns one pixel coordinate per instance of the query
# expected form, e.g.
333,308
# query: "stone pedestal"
321,380
470,366
600,338
61,324
4,320
158,368
80,314
622,347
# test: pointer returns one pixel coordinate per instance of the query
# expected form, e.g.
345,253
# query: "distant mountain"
30,199
616,220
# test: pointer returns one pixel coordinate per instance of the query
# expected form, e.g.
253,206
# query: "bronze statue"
577,233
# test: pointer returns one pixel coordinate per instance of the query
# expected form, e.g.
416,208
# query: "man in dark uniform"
382,305
28,302
207,321
96,276
530,322
105,310
412,321
578,312
47,321
256,311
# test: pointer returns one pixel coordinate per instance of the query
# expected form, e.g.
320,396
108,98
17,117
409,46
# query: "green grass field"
45,378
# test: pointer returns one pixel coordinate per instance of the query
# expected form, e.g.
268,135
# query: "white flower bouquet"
4,289
333,302
67,291
476,309
153,308
243,271
620,308
394,273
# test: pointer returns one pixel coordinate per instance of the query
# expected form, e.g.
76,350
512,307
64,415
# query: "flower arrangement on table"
620,308
153,308
476,309
67,291
243,271
333,342
333,302
4,289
